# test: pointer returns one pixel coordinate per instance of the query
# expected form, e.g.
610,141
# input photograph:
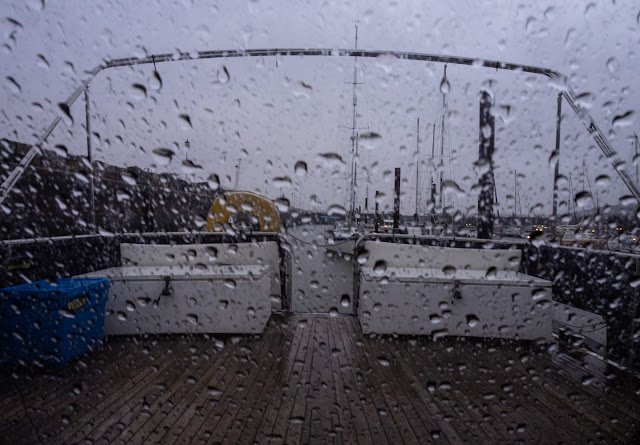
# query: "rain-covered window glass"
252,222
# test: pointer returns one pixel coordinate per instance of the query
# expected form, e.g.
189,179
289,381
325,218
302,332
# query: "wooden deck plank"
295,364
252,411
388,386
164,417
316,378
320,401
190,380
371,414
605,387
296,421
74,378
236,376
347,411
455,368
523,389
174,425
59,425
478,409
133,393
433,425
297,392
252,389
572,398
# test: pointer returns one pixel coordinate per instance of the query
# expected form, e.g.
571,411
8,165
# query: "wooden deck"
318,379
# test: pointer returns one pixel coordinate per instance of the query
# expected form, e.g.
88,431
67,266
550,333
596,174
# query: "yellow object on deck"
225,206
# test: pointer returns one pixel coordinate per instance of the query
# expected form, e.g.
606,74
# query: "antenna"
417,164
515,192
635,160
354,136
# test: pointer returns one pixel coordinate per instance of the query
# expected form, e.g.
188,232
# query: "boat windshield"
251,222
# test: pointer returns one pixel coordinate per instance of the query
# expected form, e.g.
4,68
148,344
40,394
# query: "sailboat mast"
515,192
417,163
444,111
354,136
637,146
571,194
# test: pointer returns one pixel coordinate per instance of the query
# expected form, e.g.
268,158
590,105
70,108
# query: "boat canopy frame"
560,81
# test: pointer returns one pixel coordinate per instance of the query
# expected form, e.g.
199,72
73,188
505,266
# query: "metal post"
637,146
90,159
487,142
396,201
376,223
634,312
515,193
557,168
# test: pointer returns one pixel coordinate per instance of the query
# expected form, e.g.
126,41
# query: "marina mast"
354,137
417,166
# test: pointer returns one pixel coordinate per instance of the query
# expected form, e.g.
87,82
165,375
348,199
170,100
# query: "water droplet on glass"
383,361
156,81
138,91
223,75
60,203
190,167
282,204
445,86
192,318
66,114
450,186
212,252
213,181
336,210
345,301
231,284
163,156
472,321
129,306
121,316
538,294
43,62
301,168
584,199
213,391
623,120
603,180
380,267
67,313
362,257
14,86
186,121
333,312
449,270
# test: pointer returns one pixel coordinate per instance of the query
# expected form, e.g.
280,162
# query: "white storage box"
179,299
448,291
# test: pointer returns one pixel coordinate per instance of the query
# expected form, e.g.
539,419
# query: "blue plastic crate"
47,323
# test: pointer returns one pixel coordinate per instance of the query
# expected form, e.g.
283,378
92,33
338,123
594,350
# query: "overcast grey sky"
272,115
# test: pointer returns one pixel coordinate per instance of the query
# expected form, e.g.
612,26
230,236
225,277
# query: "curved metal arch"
561,80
